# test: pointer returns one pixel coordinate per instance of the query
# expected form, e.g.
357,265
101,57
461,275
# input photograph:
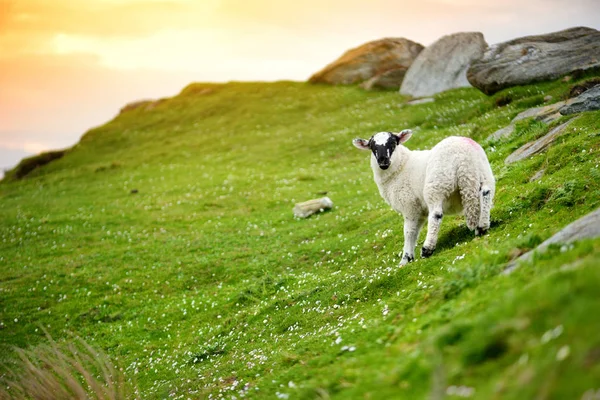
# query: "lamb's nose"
384,165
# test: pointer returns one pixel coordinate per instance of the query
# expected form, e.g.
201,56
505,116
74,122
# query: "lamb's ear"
403,136
361,144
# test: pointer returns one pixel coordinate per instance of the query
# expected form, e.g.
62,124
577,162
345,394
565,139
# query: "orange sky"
67,65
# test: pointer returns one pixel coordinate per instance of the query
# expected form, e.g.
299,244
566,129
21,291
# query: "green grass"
203,284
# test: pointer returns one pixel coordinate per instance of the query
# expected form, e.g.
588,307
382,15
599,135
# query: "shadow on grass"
460,234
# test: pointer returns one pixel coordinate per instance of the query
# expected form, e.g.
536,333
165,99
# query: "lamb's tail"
477,201
471,198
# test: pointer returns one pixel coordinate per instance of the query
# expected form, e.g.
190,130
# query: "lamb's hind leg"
434,222
486,205
412,227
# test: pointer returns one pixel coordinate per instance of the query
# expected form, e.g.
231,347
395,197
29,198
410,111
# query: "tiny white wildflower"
552,334
523,359
563,353
386,310
461,391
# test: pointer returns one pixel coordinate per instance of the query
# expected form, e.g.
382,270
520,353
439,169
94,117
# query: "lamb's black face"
382,145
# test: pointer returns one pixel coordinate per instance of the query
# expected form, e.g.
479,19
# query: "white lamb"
454,176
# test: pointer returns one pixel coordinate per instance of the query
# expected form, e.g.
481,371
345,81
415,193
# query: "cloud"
353,22
188,35
103,18
212,52
5,9
69,65
23,148
10,157
50,101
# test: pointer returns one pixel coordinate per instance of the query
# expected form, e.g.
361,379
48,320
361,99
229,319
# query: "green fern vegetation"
166,239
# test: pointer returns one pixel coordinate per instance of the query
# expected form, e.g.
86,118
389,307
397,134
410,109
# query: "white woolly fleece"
450,178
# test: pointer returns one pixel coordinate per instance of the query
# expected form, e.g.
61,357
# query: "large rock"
535,58
587,101
388,80
587,227
370,60
539,145
443,65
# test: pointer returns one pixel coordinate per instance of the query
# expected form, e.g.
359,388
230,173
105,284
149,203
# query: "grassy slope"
203,284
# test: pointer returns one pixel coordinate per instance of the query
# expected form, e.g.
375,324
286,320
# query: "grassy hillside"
166,239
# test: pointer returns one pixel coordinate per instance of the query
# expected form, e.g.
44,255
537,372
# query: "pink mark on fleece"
472,143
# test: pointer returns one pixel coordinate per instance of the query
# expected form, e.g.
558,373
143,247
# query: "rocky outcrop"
537,146
386,58
587,101
581,87
535,58
545,114
587,227
388,80
443,65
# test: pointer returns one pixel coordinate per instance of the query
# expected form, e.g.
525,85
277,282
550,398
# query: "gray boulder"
535,58
443,65
546,114
587,227
587,101
370,60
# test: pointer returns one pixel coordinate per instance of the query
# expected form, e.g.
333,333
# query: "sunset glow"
69,65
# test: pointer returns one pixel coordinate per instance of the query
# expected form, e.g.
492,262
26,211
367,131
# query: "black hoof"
426,252
406,258
480,231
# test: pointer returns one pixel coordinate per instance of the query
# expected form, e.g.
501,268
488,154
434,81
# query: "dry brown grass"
71,371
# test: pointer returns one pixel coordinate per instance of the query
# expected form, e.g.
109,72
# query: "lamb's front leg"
433,228
412,227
